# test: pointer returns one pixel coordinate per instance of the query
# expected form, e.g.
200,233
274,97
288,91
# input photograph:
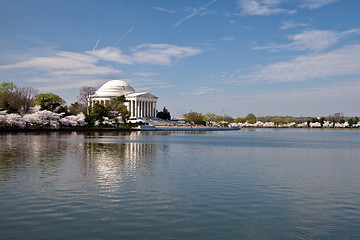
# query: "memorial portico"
141,105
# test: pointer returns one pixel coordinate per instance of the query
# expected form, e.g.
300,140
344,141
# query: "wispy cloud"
143,84
312,40
262,7
339,62
273,7
313,4
96,44
124,36
292,24
161,9
203,90
195,12
71,83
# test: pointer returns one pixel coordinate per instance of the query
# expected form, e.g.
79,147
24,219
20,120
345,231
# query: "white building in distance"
139,104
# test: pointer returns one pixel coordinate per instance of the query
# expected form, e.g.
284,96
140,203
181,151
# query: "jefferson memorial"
139,104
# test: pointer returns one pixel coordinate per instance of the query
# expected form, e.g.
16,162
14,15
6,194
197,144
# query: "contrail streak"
124,36
194,13
97,42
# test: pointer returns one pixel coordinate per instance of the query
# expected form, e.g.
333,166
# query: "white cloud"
262,7
59,60
145,74
111,54
292,24
39,80
65,70
228,39
87,63
342,61
162,54
313,40
64,63
313,4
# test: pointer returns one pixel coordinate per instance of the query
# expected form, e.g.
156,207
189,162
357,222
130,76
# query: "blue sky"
233,57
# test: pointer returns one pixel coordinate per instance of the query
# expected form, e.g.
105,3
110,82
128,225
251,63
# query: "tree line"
197,118
22,101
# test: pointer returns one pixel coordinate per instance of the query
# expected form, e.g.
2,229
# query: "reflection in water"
132,185
113,161
23,150
47,152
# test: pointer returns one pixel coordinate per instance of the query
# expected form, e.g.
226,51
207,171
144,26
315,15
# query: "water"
249,184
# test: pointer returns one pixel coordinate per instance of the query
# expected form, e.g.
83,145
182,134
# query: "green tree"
164,114
228,119
121,99
277,120
314,120
356,120
194,117
6,87
48,101
209,117
98,111
219,118
9,99
14,99
321,121
76,108
63,110
336,117
251,118
289,120
117,108
239,120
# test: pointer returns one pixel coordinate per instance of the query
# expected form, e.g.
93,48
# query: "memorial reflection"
113,160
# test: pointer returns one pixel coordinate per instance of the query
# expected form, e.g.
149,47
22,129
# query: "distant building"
139,104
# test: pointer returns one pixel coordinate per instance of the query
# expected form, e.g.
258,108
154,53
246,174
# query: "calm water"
249,184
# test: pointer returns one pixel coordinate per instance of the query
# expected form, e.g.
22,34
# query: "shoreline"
171,129
74,129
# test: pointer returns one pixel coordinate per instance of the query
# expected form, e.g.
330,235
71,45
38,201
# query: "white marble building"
139,104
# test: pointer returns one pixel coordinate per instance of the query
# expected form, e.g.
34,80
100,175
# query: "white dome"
114,88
